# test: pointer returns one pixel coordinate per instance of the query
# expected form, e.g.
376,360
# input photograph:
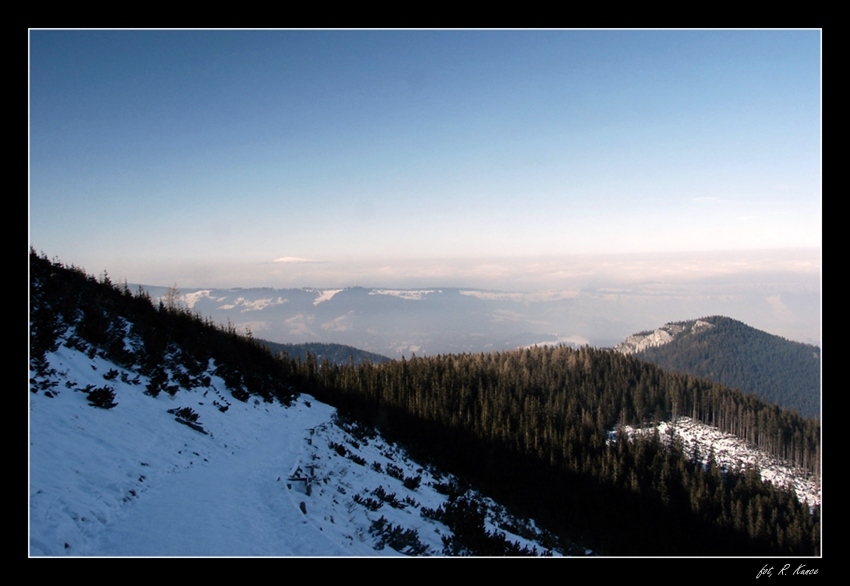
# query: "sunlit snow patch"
326,295
413,295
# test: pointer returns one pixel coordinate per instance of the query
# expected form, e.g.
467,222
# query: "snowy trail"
133,481
235,506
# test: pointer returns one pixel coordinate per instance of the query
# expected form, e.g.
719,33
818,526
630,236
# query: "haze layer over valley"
242,462
507,205
595,183
397,321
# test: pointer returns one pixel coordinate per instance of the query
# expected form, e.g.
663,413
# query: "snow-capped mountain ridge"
389,321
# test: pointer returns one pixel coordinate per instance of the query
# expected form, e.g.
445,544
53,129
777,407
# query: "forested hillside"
335,353
739,356
174,345
120,477
531,427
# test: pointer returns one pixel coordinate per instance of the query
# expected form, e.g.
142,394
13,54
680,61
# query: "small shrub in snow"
357,459
395,471
184,413
187,416
412,482
338,448
103,397
404,541
240,395
368,502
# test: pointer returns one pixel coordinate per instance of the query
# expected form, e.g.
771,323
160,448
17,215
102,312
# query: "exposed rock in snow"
663,335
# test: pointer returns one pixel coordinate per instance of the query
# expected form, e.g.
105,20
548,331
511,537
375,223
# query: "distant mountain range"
531,428
402,322
736,355
437,320
390,322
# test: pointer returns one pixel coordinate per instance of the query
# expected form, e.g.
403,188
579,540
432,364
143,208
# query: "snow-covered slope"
245,479
731,452
250,478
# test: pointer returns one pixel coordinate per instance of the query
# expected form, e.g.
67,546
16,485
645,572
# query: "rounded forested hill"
739,356
334,353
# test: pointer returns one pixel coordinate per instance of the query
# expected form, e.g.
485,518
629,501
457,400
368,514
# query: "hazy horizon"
678,168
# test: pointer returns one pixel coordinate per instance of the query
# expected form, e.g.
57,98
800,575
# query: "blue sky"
326,158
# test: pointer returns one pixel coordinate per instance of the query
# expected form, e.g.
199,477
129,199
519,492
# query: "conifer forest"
533,428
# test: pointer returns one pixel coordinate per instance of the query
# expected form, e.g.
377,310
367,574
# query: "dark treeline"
532,428
529,427
336,353
170,346
739,356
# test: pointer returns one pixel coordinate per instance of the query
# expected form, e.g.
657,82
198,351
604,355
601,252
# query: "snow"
663,335
262,479
190,299
731,452
255,305
326,295
531,297
133,481
409,294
